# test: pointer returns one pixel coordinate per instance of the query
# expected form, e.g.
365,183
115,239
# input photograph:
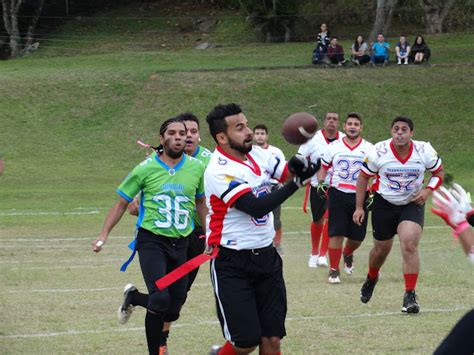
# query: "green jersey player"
171,186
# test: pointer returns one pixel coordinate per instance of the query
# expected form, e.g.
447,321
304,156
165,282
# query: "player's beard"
240,147
172,153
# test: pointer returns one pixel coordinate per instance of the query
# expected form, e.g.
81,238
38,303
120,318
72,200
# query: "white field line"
215,322
74,290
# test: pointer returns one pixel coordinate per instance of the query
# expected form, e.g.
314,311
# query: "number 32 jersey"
225,180
401,179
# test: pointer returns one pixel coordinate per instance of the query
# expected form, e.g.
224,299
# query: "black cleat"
348,264
409,303
367,289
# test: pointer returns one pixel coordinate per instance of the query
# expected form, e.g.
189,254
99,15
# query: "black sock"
153,329
139,299
164,337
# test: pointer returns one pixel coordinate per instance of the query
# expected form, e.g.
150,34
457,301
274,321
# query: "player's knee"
409,248
249,341
158,302
171,317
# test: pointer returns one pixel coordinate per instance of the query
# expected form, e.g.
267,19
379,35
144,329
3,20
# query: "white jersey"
277,153
346,163
225,180
315,149
400,179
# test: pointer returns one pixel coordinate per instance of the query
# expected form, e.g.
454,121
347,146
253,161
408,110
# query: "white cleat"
323,261
126,309
334,277
313,261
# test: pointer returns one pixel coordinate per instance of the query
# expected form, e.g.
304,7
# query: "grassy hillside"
69,120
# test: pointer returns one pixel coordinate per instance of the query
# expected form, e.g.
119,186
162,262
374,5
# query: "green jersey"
167,200
204,155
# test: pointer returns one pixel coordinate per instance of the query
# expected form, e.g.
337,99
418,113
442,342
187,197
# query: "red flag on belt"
185,269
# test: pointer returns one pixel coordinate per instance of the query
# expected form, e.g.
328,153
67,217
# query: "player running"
172,189
260,135
315,149
345,157
399,164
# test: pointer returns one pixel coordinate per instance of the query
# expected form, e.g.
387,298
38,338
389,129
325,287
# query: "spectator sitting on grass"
359,51
380,50
321,45
336,52
420,52
403,50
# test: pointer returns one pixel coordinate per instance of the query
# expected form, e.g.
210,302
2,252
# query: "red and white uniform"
225,180
401,179
346,163
277,153
316,148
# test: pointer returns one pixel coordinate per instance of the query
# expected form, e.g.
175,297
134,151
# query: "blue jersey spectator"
403,50
380,50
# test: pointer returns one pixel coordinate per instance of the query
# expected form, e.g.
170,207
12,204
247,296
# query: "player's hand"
369,201
97,245
304,177
133,207
448,207
208,249
462,197
358,216
322,189
297,164
422,196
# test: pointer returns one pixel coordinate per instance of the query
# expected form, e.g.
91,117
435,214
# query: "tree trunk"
10,22
383,17
34,21
435,13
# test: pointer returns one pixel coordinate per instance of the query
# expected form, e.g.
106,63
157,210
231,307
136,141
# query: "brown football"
299,128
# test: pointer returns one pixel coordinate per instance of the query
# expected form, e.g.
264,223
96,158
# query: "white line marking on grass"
21,214
215,322
58,290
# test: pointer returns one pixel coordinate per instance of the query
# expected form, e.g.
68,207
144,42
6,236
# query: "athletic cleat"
214,350
334,277
313,261
323,261
348,264
126,309
409,303
367,289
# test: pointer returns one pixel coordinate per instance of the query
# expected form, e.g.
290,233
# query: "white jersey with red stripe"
225,180
315,149
276,152
346,163
401,179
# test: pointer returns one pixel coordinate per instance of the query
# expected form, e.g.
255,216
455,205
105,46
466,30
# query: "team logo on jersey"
231,242
221,161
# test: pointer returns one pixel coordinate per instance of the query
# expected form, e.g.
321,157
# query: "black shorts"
318,204
250,295
196,247
386,217
341,207
158,256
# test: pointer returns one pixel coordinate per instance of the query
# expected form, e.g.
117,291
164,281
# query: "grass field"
68,125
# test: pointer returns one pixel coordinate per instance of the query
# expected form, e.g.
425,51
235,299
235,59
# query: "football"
299,128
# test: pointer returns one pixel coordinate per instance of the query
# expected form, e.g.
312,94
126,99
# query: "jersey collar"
196,152
171,171
354,147
323,132
399,158
255,168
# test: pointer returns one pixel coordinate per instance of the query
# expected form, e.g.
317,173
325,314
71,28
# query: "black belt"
255,251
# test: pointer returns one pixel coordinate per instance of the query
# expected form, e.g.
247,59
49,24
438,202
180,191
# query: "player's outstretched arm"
201,210
113,217
452,207
361,188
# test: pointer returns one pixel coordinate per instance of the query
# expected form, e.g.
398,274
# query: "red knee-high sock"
277,237
348,250
227,349
373,273
335,257
316,230
325,241
410,281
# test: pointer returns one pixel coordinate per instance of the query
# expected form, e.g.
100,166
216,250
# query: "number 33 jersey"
225,180
167,200
400,179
